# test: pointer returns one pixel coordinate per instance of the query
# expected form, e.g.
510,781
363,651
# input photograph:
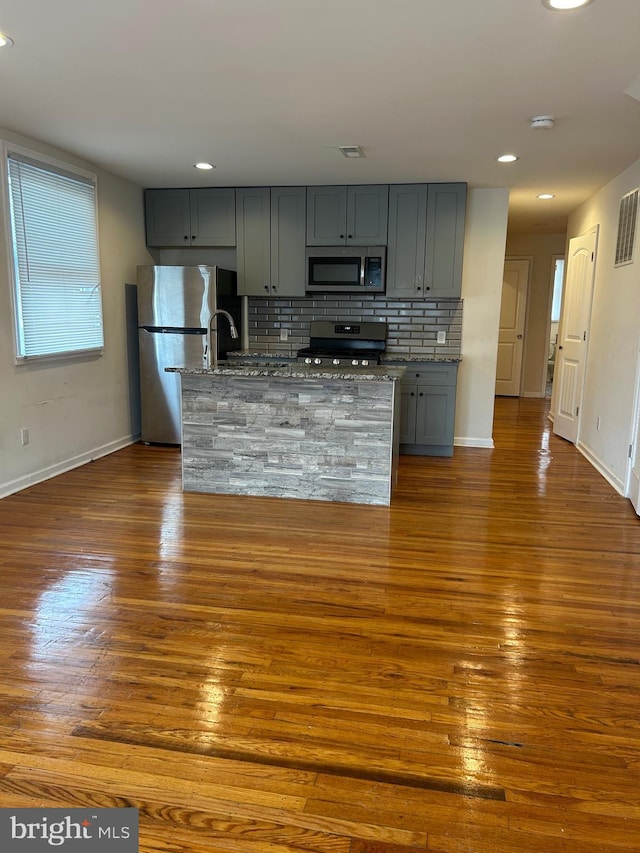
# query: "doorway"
557,284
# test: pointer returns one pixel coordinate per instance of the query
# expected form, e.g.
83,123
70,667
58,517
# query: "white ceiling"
433,90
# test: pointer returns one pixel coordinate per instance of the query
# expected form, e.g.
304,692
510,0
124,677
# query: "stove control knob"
364,362
307,360
355,362
336,361
317,361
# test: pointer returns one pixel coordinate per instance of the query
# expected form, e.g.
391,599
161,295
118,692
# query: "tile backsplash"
413,325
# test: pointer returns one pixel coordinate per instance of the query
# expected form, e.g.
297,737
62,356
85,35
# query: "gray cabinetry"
270,241
407,240
427,408
343,215
426,240
197,217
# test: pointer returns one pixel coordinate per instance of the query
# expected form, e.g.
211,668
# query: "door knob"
519,337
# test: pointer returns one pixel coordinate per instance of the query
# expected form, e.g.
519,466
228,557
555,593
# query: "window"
54,249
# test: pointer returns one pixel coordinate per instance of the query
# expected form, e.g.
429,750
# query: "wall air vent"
627,227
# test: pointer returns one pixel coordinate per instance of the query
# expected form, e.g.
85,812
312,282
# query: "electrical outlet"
284,334
442,337
24,436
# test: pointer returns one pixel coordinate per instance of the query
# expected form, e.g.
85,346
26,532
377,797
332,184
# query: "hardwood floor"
459,672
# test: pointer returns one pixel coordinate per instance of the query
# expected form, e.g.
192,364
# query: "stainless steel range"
349,344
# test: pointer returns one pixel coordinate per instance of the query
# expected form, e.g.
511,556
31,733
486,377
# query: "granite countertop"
399,358
389,358
294,370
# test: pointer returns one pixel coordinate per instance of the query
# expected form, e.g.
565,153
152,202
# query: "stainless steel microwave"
346,269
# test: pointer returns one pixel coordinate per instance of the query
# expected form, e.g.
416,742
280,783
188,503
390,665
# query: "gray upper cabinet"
168,217
426,240
354,215
197,217
446,204
407,240
270,225
288,225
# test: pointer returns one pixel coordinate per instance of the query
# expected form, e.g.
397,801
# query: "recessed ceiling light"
351,151
546,195
204,166
564,5
507,158
5,41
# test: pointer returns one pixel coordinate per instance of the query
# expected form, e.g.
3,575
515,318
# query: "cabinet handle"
417,376
350,236
266,287
342,236
193,236
412,394
421,394
186,236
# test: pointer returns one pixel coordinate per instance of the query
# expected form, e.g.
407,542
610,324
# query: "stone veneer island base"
291,432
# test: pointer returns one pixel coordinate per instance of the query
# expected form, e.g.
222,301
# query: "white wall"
484,249
614,338
75,410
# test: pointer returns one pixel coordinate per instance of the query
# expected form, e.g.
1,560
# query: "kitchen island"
291,431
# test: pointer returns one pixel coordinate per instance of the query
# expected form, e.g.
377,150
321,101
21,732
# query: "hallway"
458,672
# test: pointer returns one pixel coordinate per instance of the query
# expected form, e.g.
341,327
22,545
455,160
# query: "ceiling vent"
351,151
627,227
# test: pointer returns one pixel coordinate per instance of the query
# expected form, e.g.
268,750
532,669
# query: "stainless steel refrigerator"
174,307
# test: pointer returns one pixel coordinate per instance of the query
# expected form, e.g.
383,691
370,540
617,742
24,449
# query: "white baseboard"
537,394
12,486
473,442
602,469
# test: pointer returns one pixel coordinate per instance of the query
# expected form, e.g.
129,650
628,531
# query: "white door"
513,309
571,355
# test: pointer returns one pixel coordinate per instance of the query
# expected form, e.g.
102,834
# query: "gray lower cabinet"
427,408
341,215
426,240
196,217
270,225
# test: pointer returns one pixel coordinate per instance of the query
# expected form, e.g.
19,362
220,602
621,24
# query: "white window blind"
55,254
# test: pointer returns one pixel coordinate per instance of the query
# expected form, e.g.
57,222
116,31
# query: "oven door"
345,270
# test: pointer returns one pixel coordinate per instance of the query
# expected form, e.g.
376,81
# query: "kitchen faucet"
211,353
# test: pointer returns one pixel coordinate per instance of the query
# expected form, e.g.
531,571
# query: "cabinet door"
326,216
445,239
408,404
213,216
288,223
253,229
367,215
435,414
407,236
167,217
